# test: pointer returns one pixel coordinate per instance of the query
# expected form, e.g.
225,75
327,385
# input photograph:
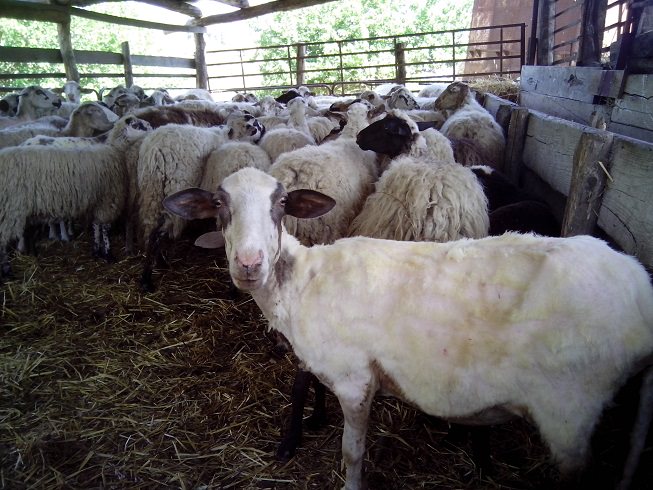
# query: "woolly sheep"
480,330
34,102
468,119
282,140
170,158
433,90
64,183
9,104
204,115
231,157
89,119
339,167
424,194
195,94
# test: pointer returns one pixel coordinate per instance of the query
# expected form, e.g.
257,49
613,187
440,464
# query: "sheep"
282,140
246,97
34,102
339,167
158,97
468,119
170,158
89,119
402,98
181,113
475,330
433,90
9,104
65,183
513,209
195,94
125,104
231,157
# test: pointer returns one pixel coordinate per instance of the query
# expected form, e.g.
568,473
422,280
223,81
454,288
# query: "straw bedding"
102,386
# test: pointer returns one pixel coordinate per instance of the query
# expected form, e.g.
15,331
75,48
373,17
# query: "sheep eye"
217,203
283,200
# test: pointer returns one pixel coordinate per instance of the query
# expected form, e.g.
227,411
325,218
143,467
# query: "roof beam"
241,4
257,11
54,13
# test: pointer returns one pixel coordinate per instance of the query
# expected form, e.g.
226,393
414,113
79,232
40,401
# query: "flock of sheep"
463,325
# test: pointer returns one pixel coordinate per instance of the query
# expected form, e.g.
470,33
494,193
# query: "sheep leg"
153,254
293,437
96,240
64,232
356,412
318,418
5,266
639,431
52,231
106,243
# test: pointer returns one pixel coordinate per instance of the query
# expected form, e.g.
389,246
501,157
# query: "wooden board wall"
591,96
553,146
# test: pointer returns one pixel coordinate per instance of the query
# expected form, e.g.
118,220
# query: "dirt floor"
102,386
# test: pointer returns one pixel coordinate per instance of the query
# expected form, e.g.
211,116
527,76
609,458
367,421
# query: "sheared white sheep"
65,183
468,119
476,330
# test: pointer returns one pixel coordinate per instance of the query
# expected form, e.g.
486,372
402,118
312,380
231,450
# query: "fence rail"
125,68
344,66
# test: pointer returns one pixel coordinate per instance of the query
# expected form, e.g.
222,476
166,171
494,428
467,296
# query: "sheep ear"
305,203
191,203
212,239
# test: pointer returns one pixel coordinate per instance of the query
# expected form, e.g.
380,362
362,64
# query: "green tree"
339,21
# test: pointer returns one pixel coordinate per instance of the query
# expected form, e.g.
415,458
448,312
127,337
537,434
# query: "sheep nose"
250,261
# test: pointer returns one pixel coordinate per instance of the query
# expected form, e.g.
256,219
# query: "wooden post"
532,41
66,48
400,63
301,63
591,34
127,63
201,71
546,27
588,179
515,138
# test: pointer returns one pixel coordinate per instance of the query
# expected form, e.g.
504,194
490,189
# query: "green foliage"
329,58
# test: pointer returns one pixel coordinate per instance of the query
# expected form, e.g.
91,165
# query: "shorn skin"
547,328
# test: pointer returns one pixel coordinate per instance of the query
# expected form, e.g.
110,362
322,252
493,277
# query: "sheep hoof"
286,450
316,421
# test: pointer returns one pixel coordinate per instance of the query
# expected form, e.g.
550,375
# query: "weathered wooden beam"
258,10
201,71
127,64
546,26
589,176
301,63
515,138
67,53
54,13
241,4
591,34
175,5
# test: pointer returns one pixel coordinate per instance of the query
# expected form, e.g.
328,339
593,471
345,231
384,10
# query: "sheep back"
416,200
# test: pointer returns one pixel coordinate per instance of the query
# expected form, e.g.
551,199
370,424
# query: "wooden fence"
597,181
125,68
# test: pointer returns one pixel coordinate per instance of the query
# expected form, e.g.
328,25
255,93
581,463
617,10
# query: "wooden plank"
589,175
163,61
66,49
627,210
30,55
127,64
635,108
492,103
579,83
258,10
515,137
55,13
549,149
572,110
201,73
631,131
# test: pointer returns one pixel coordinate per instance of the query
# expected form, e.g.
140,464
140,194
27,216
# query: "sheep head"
249,206
390,136
453,97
